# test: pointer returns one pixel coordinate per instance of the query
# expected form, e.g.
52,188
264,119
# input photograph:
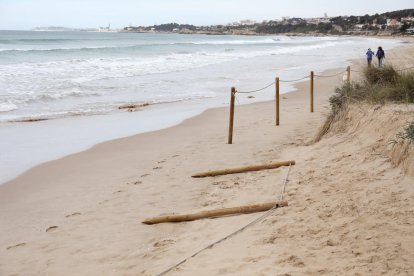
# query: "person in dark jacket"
380,55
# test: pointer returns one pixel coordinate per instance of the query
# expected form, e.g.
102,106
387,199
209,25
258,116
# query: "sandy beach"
351,198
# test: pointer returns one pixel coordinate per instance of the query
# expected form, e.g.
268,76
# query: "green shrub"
409,132
380,75
379,85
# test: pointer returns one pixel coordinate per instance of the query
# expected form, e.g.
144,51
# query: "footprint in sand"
294,260
52,228
218,182
254,259
73,215
144,175
164,243
331,243
210,203
104,201
225,186
134,183
16,245
157,168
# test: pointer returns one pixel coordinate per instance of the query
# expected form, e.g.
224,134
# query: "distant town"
389,23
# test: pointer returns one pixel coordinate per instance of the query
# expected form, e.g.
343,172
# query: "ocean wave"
51,115
7,106
56,80
261,41
65,49
36,40
142,45
100,109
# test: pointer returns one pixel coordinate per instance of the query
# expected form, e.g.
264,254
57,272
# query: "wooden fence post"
348,74
232,98
311,91
277,101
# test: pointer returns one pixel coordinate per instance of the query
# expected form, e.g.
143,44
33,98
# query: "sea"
63,92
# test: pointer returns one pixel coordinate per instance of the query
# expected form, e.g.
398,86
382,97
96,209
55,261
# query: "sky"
27,14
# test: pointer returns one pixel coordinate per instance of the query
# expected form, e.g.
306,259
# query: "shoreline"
186,105
190,110
13,167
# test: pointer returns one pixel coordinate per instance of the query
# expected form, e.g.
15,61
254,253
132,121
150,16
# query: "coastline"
82,213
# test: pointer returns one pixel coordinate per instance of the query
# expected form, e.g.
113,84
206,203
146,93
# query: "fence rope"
328,76
233,233
237,100
254,91
305,77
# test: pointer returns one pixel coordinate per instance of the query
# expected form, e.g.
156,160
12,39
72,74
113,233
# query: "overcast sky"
26,14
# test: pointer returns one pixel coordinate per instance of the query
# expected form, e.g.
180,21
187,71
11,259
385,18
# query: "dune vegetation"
378,86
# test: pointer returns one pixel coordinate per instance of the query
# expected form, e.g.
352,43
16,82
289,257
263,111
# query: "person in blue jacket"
380,55
370,54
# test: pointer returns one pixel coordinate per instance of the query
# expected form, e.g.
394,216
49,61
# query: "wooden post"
348,74
277,101
232,98
311,91
217,213
245,169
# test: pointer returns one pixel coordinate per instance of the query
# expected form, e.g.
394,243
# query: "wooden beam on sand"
216,213
245,169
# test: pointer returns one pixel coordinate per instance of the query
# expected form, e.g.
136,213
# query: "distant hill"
394,22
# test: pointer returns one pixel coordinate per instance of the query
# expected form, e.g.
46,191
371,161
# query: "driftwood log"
216,213
245,169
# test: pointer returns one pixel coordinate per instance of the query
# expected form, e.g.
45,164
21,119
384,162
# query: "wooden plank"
247,209
245,169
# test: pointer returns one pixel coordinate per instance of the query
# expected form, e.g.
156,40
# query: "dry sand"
350,197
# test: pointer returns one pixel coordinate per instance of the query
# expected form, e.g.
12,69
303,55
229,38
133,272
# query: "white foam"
7,106
82,82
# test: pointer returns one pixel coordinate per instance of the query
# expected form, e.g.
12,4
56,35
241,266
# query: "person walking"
370,54
380,55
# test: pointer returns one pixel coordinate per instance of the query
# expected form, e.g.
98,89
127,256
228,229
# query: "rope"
231,234
305,77
254,91
286,180
328,76
237,100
